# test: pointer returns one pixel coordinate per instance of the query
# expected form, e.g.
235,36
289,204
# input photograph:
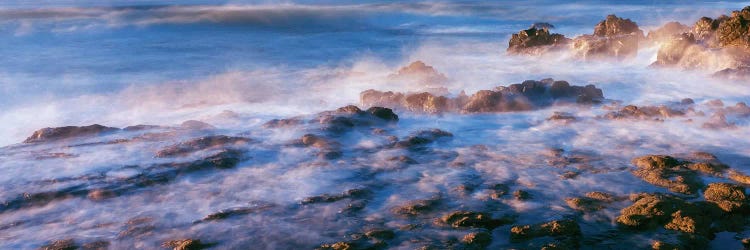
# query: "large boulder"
61,133
613,37
667,31
536,40
421,77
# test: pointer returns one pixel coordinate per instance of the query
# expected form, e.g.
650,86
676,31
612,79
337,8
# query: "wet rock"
644,113
660,245
666,171
238,211
613,37
521,195
718,121
417,207
328,198
383,113
567,232
422,138
733,32
196,125
738,73
567,175
462,219
202,143
477,240
100,194
283,123
184,244
739,177
62,133
422,74
498,190
137,227
536,40
615,26
66,244
667,31
515,97
649,210
96,245
562,116
140,127
593,201
729,197
380,234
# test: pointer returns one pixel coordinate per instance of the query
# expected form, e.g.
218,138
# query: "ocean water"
238,64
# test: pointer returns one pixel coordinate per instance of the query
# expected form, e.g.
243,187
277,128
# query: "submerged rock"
66,244
184,244
68,132
536,40
202,143
417,207
649,210
592,201
422,138
566,234
460,219
478,240
327,198
645,113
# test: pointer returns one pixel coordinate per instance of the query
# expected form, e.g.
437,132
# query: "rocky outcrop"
536,40
524,96
202,143
613,37
711,44
68,132
464,219
421,77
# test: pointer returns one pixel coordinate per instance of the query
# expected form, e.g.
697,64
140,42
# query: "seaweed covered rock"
417,207
68,132
527,95
729,197
613,37
592,201
649,210
461,219
666,171
536,40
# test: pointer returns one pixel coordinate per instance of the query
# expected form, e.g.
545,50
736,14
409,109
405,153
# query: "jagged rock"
62,133
202,143
667,31
613,37
460,219
729,197
536,40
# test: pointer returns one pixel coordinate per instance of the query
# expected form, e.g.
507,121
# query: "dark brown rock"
613,37
615,26
461,219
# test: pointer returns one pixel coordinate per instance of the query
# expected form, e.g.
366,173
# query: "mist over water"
238,64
